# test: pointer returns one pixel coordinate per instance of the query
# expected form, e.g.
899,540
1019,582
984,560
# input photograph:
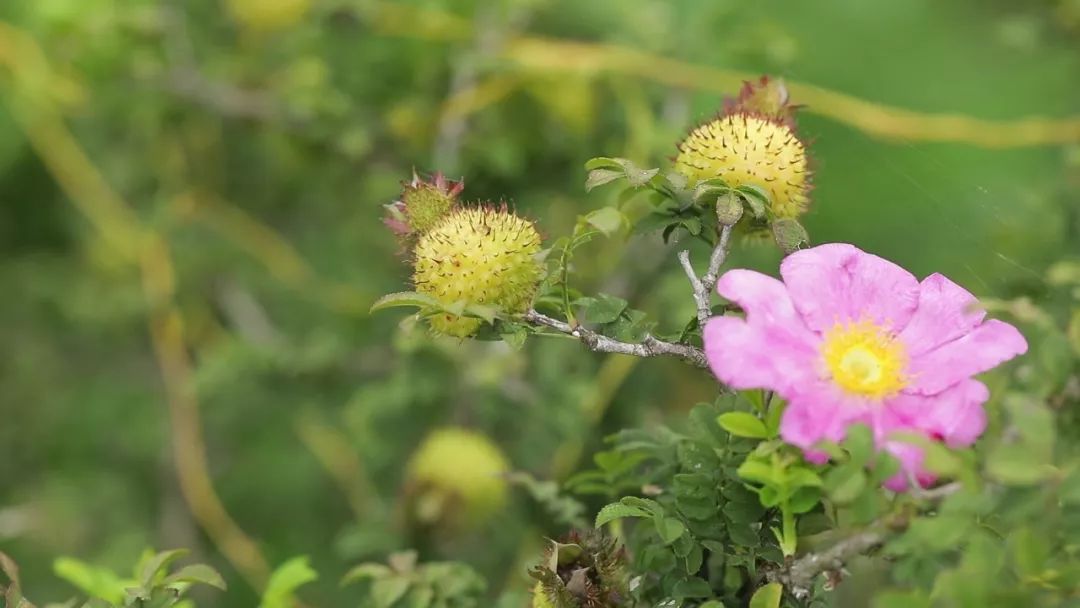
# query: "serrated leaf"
604,162
404,298
197,573
640,177
691,587
599,177
768,596
669,529
742,424
618,510
602,309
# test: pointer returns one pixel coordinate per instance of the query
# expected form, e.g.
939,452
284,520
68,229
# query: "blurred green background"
196,186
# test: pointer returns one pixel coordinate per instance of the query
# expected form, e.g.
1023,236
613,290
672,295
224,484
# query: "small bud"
477,256
423,203
729,208
790,235
767,96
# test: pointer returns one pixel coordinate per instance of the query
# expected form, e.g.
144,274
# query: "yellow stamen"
865,359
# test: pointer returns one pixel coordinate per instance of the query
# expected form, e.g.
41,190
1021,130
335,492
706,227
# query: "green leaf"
604,162
599,177
669,529
618,510
602,309
768,596
386,591
197,573
607,220
1029,551
1017,465
804,499
758,472
92,580
487,313
742,424
639,177
845,483
366,571
859,443
286,579
691,587
156,564
404,298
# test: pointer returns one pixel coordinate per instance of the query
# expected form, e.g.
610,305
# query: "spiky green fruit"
477,255
457,474
745,149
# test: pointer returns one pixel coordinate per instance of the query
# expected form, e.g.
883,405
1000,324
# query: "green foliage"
152,585
260,148
405,583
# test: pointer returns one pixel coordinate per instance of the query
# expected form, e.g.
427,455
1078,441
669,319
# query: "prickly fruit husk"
583,570
477,255
745,149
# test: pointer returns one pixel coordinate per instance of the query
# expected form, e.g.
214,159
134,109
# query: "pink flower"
851,338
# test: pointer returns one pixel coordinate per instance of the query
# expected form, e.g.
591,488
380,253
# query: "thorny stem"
650,346
704,285
798,576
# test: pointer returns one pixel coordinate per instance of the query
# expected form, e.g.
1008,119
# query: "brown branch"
650,346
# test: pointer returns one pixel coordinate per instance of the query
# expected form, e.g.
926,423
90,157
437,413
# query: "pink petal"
986,346
946,311
744,355
955,415
840,283
763,298
819,413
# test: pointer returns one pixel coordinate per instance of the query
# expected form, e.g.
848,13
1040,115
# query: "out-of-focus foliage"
255,143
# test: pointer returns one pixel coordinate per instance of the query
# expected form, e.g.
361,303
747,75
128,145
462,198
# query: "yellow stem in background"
335,453
561,56
189,449
609,378
91,193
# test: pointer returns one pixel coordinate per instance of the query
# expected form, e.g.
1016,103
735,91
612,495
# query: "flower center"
865,359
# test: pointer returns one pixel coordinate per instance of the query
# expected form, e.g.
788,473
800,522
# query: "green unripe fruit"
459,469
477,255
